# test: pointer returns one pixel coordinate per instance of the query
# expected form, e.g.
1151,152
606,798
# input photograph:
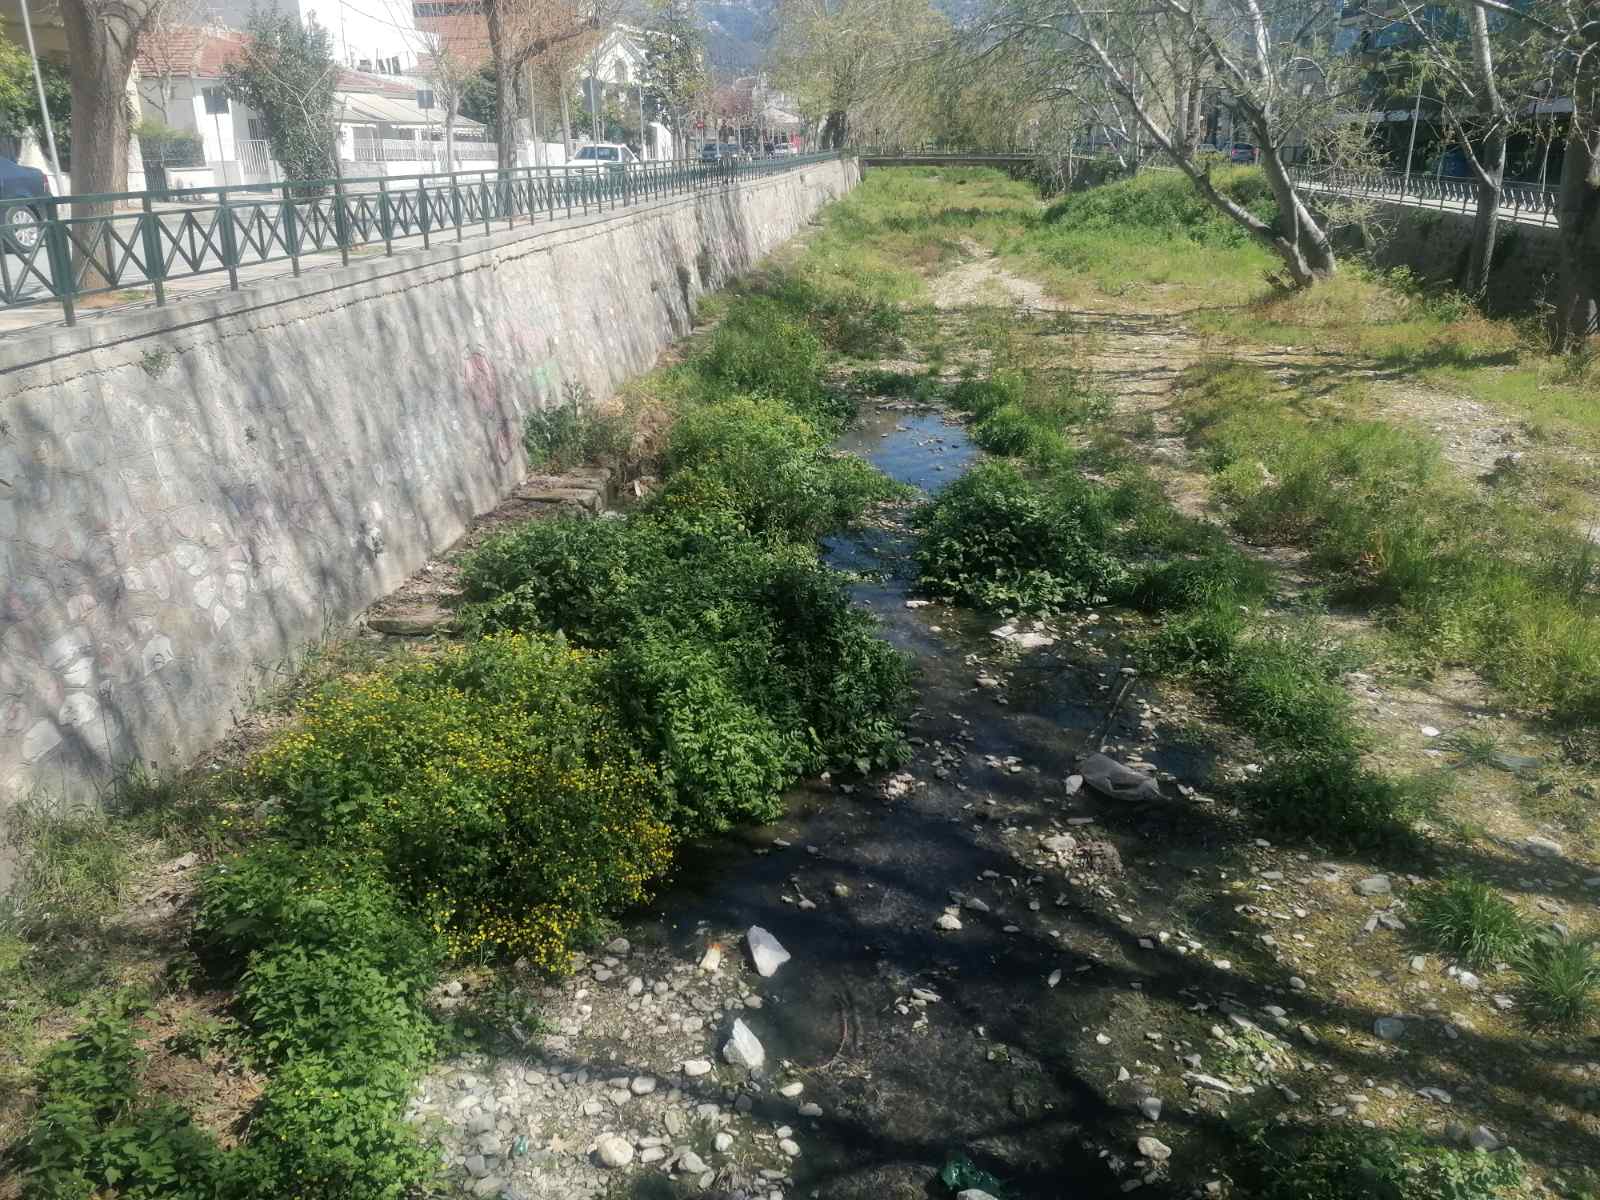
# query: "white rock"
790,1147
619,945
766,951
712,958
642,1085
1154,1149
1374,885
792,1089
1150,1108
1429,731
1054,978
613,1151
744,1049
723,1142
691,1163
808,1109
695,1067
948,922
1541,846
974,1194
1483,1138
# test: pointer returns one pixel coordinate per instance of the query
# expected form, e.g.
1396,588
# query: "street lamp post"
44,107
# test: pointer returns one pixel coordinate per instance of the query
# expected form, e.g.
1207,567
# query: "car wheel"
22,228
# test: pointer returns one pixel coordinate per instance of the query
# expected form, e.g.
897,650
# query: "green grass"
1560,982
1456,573
1470,919
1347,1162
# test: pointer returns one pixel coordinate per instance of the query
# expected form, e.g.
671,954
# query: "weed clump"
1347,1161
999,540
1470,919
738,662
1560,981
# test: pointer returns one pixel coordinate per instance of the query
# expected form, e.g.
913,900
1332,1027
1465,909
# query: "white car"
598,154
782,149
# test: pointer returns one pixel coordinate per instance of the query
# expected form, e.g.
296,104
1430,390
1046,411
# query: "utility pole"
44,107
1411,146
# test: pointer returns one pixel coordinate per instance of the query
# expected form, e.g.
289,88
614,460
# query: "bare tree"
523,30
1159,56
449,71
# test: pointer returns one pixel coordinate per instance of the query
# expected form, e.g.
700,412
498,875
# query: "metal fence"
407,150
1531,203
130,245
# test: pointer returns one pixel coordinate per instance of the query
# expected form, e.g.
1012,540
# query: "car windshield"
600,153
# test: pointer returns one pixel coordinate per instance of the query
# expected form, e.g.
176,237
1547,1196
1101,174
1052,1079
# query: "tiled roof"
188,50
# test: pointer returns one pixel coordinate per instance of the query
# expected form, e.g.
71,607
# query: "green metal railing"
54,252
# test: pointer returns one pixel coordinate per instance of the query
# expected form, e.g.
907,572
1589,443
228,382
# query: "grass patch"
1456,573
1560,982
1470,919
1340,1163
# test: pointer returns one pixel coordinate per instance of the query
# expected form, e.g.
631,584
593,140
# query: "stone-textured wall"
189,496
1434,244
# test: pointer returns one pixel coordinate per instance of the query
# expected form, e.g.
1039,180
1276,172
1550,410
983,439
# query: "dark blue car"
19,223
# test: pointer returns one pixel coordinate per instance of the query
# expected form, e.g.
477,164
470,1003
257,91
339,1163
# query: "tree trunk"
566,123
101,51
505,72
1486,224
833,130
1576,316
1306,249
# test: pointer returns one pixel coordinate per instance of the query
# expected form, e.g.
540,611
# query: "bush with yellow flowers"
493,783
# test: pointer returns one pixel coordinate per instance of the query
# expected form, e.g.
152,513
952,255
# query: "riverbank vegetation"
624,686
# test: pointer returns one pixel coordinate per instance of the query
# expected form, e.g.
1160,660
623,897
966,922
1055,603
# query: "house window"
216,100
425,98
258,129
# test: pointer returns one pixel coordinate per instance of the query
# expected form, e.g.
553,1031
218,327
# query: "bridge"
1003,160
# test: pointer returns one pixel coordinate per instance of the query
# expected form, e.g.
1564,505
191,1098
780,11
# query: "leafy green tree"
674,73
19,100
287,74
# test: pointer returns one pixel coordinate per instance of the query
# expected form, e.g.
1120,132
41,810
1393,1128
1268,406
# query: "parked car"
711,152
21,221
1243,152
783,149
598,153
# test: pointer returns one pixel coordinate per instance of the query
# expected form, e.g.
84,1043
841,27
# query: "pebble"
792,1089
1419,963
618,946
1541,846
1150,1108
696,1067
948,922
642,1085
613,1151
712,958
790,1147
723,1142
1483,1138
691,1163
1374,885
810,1109
1296,983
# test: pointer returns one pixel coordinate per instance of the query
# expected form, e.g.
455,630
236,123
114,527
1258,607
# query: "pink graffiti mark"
483,382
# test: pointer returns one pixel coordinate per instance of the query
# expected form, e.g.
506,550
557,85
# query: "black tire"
23,228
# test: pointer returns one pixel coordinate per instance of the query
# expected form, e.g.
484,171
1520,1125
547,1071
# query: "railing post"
422,208
385,221
154,261
290,233
58,253
455,202
340,225
483,200
230,242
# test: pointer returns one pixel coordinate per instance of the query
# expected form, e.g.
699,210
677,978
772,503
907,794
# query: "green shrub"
1165,206
575,431
494,785
999,540
1282,686
1224,575
331,1128
1349,1161
1470,919
772,467
1560,981
738,663
760,348
93,1134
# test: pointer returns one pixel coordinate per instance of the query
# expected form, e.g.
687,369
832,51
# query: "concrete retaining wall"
189,496
1434,244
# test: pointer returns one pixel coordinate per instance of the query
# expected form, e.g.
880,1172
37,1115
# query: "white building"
369,35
